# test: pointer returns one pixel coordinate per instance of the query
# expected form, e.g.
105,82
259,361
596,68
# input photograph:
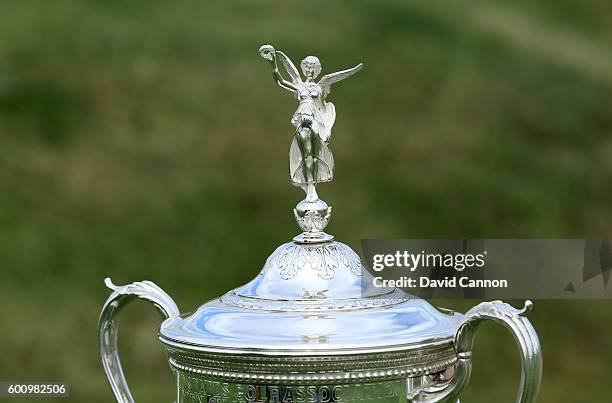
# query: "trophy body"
380,377
304,329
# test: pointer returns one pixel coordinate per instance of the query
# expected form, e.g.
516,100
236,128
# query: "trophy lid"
309,297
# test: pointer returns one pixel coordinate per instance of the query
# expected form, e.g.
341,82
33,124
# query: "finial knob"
312,218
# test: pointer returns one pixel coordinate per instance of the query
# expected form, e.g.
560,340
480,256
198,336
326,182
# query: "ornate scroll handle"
107,328
447,388
524,334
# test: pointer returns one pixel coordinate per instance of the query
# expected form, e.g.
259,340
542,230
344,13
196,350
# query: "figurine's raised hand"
270,54
267,52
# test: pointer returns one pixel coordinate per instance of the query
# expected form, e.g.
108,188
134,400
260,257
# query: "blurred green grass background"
147,140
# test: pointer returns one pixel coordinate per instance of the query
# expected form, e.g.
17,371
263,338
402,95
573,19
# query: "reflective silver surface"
315,293
304,330
218,325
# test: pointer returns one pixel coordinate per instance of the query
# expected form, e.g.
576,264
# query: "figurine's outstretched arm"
268,53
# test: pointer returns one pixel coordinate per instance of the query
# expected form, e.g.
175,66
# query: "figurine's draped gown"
321,115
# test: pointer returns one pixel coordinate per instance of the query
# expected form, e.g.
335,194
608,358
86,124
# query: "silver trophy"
303,330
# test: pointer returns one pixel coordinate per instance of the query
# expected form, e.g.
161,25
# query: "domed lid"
308,300
310,297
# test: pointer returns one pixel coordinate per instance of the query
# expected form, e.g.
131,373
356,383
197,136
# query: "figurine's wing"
289,67
328,79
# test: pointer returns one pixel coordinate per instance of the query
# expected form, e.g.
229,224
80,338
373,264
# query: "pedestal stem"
312,215
311,193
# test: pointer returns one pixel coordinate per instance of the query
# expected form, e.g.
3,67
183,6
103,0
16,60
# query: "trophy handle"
524,334
107,328
446,386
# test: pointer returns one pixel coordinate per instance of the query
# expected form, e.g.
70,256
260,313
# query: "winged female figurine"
310,159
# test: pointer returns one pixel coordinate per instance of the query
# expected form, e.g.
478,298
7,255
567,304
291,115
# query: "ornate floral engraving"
325,259
290,260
